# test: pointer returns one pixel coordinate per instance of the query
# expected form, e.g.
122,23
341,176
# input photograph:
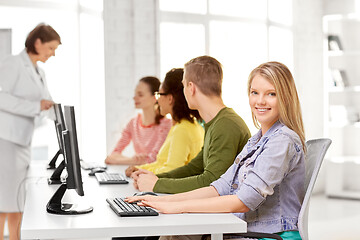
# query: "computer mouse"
96,170
144,193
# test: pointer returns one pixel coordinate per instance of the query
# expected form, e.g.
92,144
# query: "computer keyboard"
90,165
110,178
125,209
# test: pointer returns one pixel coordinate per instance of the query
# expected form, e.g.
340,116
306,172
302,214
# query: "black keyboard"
110,178
125,209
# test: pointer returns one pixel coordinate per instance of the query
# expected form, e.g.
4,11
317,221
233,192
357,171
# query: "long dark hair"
154,84
172,85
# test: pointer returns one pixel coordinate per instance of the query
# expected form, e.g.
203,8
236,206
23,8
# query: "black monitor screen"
59,115
59,125
72,159
72,163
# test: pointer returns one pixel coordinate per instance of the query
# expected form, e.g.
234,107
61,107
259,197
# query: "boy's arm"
194,167
222,151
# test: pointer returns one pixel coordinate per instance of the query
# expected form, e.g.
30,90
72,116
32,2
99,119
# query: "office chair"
316,150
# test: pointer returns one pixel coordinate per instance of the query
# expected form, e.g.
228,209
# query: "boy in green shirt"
225,133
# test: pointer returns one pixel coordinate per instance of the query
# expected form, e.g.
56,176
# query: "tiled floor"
334,219
331,219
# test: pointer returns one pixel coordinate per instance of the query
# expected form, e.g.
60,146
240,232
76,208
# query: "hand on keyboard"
139,199
164,206
126,209
130,170
159,203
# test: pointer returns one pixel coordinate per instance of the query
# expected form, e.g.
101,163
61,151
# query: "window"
239,53
180,42
254,9
240,34
186,6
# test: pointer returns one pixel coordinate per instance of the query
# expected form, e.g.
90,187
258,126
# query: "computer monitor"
72,163
59,127
76,180
59,121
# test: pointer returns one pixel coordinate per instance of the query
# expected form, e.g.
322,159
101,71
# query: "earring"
157,107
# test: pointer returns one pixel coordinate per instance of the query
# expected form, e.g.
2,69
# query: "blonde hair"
289,105
206,73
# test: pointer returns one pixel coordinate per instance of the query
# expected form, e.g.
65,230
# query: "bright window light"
239,53
280,11
92,88
92,4
281,46
240,34
186,6
250,9
179,43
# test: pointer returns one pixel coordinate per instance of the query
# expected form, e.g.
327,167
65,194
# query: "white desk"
103,222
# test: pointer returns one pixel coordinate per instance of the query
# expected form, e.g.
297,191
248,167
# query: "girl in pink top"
147,131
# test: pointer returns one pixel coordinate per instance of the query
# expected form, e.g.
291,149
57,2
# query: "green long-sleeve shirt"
225,136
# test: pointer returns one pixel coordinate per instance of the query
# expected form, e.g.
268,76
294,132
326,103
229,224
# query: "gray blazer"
21,90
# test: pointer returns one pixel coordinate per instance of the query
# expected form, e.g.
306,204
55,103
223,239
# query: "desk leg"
217,236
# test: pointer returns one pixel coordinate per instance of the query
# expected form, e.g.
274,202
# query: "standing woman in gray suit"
23,96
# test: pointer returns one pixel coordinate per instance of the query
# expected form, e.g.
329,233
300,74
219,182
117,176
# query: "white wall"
130,53
339,6
308,54
5,43
308,69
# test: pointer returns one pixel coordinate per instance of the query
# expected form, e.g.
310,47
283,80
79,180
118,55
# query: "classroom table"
102,222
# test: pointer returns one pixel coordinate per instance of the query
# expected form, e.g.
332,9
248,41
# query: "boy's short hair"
206,72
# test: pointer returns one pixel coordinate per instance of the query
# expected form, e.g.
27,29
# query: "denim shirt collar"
258,139
269,183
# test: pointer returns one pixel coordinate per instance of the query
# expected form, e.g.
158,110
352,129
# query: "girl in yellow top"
185,138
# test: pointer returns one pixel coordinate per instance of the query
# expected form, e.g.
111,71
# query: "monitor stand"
55,206
56,176
52,163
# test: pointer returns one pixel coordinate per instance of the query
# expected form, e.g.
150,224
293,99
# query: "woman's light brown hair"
289,105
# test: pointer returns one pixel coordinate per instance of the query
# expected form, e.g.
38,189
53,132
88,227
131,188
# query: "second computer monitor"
59,117
59,127
74,180
59,124
72,163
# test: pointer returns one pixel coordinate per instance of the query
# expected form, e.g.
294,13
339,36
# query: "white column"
130,53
